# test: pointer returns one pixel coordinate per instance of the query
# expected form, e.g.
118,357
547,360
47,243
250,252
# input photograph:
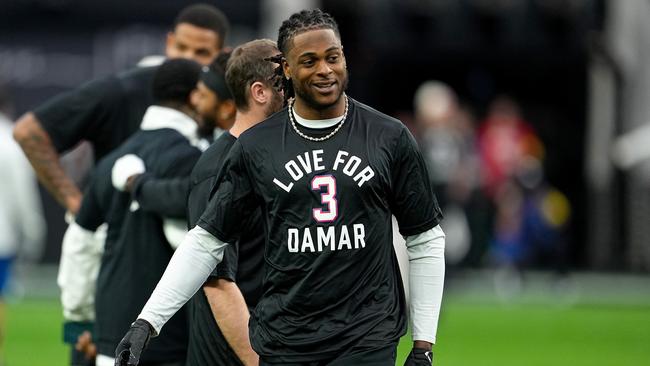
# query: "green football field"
470,334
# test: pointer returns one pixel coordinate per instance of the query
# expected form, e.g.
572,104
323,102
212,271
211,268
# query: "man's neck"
306,111
246,120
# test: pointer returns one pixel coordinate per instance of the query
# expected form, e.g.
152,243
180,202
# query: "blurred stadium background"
533,114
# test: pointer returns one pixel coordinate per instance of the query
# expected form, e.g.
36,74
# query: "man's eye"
308,62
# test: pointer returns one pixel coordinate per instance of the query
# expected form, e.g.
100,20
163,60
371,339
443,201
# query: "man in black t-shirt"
106,112
248,76
328,172
137,249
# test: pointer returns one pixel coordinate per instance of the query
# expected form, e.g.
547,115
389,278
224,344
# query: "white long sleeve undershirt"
81,254
426,253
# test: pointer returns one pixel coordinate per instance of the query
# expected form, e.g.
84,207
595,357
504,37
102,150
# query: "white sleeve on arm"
81,254
426,253
186,272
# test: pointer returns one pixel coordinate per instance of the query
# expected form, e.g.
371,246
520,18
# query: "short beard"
311,102
206,127
275,105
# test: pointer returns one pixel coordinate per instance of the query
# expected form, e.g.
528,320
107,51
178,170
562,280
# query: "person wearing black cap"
215,110
137,248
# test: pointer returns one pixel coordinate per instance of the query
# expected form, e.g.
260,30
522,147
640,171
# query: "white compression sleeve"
426,253
81,254
186,272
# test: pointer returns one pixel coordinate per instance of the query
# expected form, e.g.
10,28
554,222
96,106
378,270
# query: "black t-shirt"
332,280
244,262
104,111
136,251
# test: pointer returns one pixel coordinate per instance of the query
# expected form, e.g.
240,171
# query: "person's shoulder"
179,144
221,144
138,72
217,150
260,132
210,162
137,79
377,119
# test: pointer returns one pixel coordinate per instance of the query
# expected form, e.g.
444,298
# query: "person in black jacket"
137,249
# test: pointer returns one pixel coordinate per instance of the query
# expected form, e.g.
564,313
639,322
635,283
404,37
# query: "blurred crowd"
488,174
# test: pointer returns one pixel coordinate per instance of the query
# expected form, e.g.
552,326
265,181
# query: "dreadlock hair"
306,20
205,16
279,82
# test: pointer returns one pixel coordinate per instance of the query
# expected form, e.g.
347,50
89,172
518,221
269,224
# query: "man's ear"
259,93
286,68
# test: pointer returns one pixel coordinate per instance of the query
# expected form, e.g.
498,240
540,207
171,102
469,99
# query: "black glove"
134,342
419,357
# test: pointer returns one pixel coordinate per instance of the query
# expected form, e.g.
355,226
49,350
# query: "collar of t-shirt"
316,123
157,117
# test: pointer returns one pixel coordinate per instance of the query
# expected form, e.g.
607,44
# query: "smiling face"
316,65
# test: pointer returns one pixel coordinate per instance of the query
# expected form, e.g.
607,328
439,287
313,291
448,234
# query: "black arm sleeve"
82,113
233,201
412,200
165,197
90,215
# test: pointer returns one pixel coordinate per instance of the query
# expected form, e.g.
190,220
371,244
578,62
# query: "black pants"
376,357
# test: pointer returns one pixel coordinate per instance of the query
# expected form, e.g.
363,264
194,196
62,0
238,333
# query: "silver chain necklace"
340,123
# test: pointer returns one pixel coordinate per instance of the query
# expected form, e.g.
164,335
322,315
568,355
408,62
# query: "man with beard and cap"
137,248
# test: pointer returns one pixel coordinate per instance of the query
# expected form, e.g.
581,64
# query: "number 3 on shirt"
328,198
